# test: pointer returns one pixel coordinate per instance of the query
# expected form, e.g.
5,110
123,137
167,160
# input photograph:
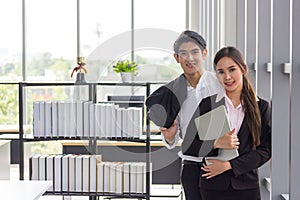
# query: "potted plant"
126,68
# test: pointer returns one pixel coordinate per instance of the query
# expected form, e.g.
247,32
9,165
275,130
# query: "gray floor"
161,189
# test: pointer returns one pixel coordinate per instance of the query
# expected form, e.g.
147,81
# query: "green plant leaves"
125,66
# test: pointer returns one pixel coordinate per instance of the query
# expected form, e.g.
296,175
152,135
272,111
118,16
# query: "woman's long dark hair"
248,96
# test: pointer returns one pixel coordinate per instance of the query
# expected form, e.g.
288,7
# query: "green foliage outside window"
9,112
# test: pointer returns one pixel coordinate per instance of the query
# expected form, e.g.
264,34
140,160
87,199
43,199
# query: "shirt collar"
229,103
222,95
200,84
202,79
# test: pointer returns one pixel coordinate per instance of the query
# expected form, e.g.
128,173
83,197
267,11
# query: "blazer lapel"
243,127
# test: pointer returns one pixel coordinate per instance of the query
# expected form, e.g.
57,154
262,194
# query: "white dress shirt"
234,114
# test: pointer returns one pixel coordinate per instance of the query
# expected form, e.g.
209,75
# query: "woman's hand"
169,133
215,168
228,141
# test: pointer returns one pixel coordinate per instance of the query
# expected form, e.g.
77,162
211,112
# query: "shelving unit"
92,91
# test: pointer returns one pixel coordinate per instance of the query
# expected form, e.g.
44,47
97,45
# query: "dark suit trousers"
231,194
190,176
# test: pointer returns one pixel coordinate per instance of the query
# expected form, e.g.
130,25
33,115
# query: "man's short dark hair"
189,36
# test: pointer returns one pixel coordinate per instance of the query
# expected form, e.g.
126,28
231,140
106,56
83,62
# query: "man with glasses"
171,106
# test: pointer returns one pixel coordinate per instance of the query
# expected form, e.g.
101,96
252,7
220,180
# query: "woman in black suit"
249,117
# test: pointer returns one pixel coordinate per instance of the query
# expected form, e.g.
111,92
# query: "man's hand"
169,133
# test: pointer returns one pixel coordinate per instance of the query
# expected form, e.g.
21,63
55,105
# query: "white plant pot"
126,77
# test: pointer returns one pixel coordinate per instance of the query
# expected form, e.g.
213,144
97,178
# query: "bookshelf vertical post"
148,149
21,133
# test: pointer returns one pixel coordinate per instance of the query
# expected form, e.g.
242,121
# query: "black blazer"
243,174
165,102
